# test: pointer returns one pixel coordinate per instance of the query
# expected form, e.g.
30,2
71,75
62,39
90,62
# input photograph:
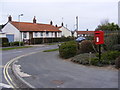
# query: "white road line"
5,85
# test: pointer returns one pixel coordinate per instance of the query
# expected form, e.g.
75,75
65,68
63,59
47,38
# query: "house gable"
10,29
65,32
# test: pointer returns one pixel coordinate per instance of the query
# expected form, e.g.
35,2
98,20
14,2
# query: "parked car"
80,39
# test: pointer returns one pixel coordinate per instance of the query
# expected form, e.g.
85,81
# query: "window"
59,34
36,34
47,33
24,35
51,33
41,34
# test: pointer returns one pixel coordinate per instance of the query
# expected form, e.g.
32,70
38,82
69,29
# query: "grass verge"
16,48
51,50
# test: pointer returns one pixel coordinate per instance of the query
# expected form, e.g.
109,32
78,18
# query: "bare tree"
105,21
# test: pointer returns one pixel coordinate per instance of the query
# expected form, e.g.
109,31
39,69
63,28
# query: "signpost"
99,39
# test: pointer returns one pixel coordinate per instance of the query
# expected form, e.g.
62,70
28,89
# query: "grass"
51,50
11,48
52,43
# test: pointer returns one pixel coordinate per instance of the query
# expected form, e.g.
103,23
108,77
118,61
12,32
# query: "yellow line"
5,76
5,70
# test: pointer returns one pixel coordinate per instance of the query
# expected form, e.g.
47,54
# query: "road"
10,54
47,70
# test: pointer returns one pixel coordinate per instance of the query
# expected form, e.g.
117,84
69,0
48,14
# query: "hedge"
68,49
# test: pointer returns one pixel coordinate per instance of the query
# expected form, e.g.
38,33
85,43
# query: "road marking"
5,70
5,85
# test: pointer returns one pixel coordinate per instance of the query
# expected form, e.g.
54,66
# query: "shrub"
4,42
87,46
110,57
37,40
117,63
83,58
94,61
110,41
68,49
17,43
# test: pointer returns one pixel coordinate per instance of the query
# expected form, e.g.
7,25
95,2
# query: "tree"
108,27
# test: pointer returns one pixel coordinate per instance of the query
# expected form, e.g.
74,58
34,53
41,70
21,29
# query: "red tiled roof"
24,26
85,32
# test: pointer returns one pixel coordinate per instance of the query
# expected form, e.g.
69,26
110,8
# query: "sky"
90,12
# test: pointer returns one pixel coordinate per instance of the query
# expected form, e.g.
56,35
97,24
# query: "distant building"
119,13
65,31
24,31
84,33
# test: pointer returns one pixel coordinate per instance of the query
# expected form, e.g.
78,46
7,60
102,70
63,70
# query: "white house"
83,33
20,31
65,31
2,35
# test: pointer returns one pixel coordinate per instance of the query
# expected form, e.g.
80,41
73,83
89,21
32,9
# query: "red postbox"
99,37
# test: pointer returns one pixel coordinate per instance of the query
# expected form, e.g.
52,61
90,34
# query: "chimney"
34,19
9,18
56,25
51,23
62,24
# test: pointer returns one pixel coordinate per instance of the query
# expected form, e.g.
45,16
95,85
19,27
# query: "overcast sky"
90,12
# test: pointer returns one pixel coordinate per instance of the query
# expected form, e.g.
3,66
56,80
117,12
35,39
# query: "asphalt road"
10,54
47,70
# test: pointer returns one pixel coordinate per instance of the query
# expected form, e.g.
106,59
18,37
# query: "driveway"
47,70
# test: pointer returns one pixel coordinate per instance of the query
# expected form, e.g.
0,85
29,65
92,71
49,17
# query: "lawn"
51,50
11,48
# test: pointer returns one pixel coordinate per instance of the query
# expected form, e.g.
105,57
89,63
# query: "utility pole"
19,28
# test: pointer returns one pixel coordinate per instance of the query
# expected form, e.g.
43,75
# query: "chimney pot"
9,18
51,23
34,19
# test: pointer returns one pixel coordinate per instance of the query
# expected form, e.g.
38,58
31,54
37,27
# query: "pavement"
47,70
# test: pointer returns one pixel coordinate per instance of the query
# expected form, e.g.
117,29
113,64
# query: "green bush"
4,42
117,63
110,41
17,43
83,58
94,61
68,49
37,40
110,57
87,46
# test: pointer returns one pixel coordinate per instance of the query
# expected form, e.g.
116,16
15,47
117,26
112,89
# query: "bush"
110,41
110,57
37,40
68,49
17,43
117,63
87,46
4,42
83,58
94,61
